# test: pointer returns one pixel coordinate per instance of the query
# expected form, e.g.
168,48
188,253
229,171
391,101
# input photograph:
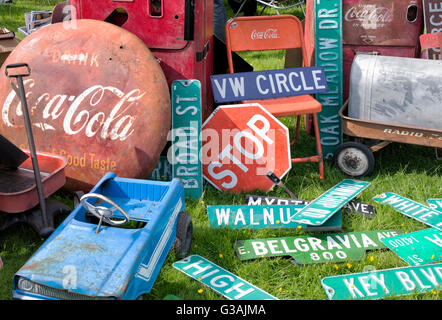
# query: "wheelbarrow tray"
388,131
18,189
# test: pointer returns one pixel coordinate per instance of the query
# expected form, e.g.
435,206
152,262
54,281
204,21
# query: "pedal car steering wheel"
103,213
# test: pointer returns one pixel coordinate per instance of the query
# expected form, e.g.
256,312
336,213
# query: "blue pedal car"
112,246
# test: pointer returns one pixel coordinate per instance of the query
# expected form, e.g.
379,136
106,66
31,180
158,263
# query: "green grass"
411,171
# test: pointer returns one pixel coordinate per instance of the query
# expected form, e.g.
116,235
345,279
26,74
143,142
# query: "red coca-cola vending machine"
178,32
390,28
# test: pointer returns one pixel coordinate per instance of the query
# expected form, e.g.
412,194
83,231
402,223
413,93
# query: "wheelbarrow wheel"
184,230
354,159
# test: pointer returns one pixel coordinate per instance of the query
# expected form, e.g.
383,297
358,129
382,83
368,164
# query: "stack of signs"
315,249
222,281
261,217
418,247
325,206
366,210
383,283
412,209
186,142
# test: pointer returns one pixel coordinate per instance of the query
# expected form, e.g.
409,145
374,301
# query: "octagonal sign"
241,143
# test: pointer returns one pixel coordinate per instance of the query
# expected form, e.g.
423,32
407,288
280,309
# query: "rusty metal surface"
389,132
380,22
96,95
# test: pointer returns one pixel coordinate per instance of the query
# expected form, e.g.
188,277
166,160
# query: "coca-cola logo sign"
77,112
271,33
369,16
99,99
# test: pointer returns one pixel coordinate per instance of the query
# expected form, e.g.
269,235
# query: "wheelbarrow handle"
15,66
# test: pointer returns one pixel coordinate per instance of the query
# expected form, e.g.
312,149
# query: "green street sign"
323,248
416,248
262,217
325,206
163,170
186,143
222,281
381,283
328,54
411,209
366,210
435,204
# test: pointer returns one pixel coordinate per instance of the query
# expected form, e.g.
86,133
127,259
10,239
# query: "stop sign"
241,144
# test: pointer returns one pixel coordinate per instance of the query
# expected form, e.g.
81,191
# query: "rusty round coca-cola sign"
96,95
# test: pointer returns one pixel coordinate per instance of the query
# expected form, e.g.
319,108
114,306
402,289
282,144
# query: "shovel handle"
15,66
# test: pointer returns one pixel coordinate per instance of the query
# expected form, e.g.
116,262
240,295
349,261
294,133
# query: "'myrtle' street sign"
241,144
338,247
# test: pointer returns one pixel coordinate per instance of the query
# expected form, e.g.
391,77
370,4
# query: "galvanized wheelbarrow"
356,158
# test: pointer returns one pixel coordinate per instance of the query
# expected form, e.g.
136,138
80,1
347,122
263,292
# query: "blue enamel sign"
268,84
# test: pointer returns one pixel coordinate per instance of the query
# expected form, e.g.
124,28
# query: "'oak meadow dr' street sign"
222,281
328,54
411,209
435,204
268,84
262,217
416,248
186,142
326,205
338,247
241,144
366,210
382,283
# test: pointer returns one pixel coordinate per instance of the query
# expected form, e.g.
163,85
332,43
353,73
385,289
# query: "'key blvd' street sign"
338,247
268,84
416,248
382,283
328,54
262,217
186,143
411,209
435,204
326,205
222,281
366,210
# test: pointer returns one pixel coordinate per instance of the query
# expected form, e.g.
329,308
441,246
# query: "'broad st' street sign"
268,84
186,142
416,248
338,247
222,281
326,205
262,217
411,209
382,283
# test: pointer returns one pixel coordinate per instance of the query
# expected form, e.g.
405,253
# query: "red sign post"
241,144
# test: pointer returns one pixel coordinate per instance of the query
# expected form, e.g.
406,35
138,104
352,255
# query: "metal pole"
33,152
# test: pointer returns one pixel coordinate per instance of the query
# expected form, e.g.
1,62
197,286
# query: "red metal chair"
279,32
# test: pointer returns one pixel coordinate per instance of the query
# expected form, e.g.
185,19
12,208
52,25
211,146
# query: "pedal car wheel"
77,197
354,159
184,230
